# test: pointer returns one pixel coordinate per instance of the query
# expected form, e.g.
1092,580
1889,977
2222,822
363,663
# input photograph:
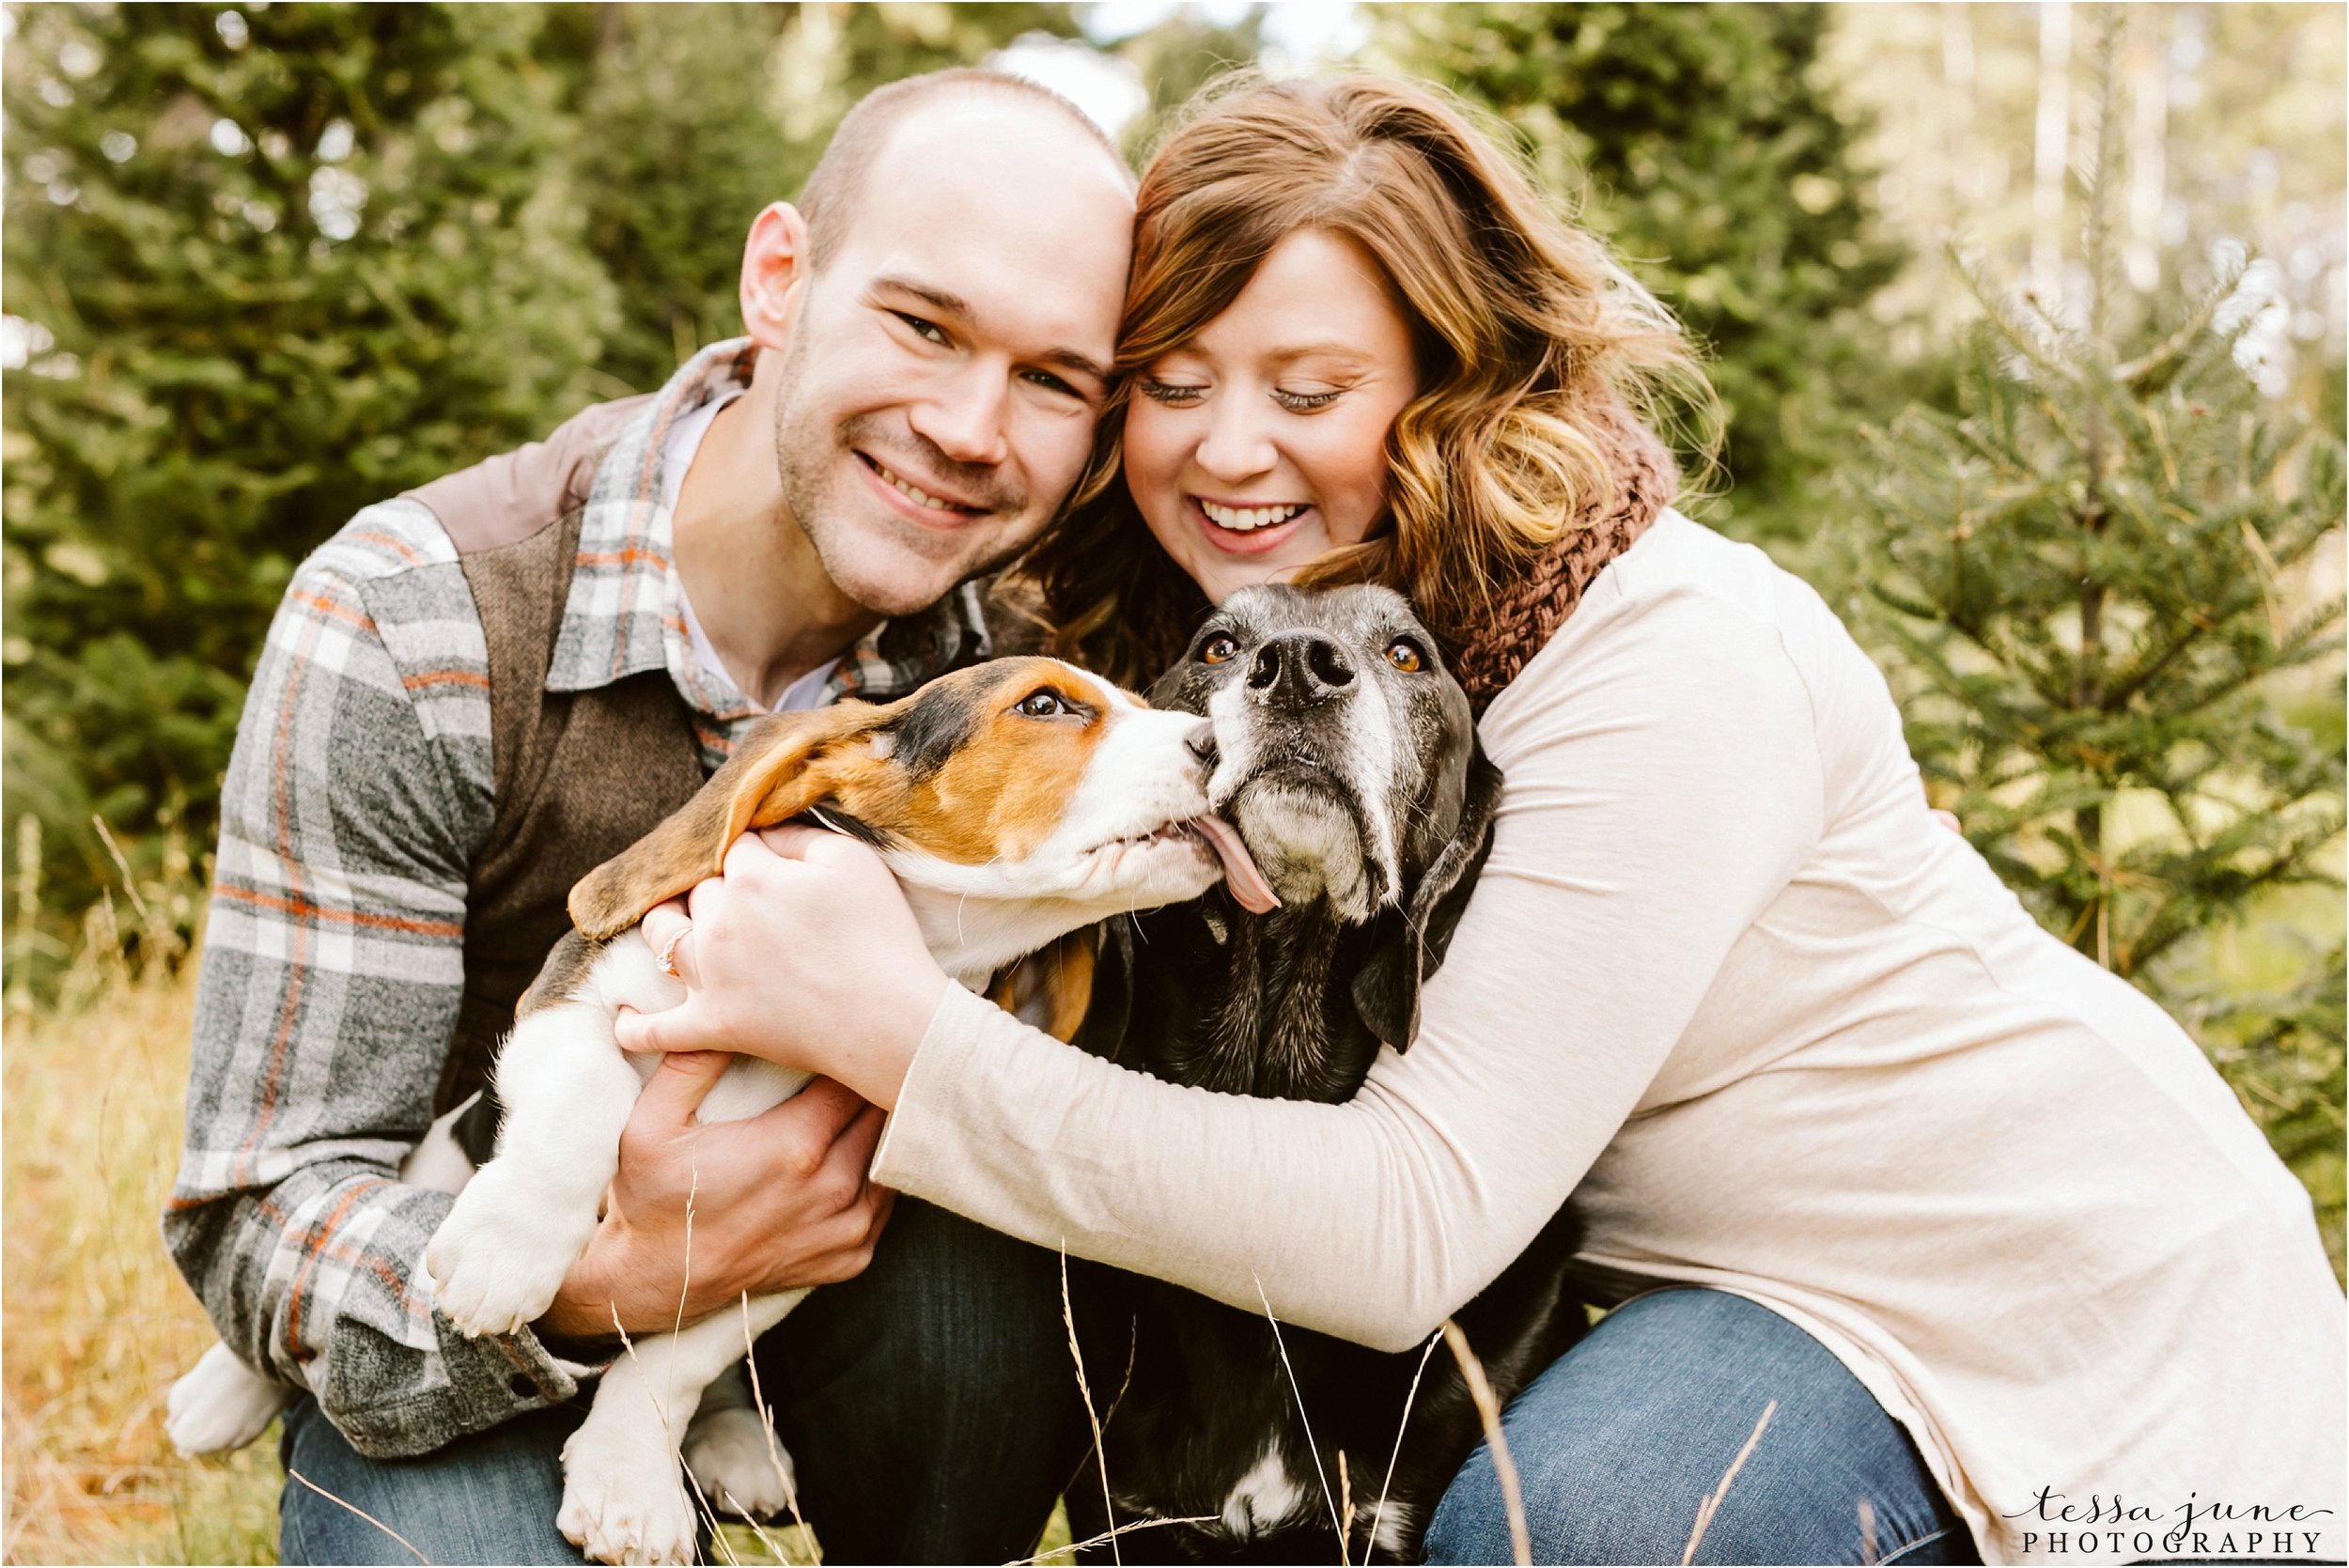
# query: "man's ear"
1408,944
776,772
775,264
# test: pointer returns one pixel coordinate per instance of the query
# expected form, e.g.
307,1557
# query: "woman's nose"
1237,444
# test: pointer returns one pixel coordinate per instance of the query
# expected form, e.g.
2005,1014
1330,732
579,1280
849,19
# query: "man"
474,692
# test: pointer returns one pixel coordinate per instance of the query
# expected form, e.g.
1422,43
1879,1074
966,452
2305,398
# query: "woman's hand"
803,953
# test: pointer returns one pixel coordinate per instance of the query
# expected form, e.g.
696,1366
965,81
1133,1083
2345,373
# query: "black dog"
1347,759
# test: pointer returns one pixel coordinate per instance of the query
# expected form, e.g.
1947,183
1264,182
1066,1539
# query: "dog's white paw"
500,1256
624,1501
221,1405
728,1452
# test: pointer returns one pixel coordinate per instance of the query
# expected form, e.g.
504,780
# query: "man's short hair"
832,191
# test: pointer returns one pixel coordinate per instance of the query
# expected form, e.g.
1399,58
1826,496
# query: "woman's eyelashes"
1173,394
1184,395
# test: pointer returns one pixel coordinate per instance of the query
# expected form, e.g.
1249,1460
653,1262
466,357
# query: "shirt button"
522,1385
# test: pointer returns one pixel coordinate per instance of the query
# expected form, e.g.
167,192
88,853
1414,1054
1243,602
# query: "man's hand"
777,1201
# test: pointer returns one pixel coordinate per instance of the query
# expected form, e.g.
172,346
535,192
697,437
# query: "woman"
1856,1144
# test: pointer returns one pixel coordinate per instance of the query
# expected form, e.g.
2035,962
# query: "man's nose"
963,417
1300,670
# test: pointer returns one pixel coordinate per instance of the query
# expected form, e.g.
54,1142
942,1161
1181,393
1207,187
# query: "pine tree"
276,265
1697,139
2090,576
273,266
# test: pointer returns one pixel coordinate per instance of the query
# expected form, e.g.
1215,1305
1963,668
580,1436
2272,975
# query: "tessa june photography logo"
2112,1527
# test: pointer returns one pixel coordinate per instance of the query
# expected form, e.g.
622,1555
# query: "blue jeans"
1617,1444
929,1405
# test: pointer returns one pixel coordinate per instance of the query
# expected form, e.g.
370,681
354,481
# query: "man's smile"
940,508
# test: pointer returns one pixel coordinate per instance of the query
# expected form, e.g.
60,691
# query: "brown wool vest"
576,776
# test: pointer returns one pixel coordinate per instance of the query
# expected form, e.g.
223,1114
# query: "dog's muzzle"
1299,672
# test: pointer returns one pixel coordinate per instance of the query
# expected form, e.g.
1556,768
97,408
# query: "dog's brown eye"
1216,649
1041,705
1405,655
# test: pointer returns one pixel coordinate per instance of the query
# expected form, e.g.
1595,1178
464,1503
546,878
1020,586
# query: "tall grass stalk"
97,1322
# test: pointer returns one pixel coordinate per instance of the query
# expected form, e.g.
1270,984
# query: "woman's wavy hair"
1529,338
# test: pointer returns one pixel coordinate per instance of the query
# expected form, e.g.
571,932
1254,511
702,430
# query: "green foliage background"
281,264
266,266
278,264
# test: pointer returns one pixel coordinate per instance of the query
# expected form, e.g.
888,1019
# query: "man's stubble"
809,455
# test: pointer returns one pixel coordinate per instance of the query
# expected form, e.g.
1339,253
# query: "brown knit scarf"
1528,609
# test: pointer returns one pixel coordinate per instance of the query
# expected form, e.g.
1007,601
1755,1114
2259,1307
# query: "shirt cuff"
916,1142
490,1381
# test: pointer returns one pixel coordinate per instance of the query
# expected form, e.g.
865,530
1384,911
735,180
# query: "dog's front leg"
500,1256
731,1450
624,1497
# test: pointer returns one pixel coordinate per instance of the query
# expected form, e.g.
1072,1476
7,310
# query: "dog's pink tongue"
1240,874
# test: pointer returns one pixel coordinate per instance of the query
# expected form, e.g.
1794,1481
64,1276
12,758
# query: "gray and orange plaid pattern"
358,795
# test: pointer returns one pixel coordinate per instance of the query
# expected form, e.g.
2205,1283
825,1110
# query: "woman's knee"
1580,1497
1677,1398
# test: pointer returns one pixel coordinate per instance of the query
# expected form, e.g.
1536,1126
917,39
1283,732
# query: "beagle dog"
1017,801
1346,756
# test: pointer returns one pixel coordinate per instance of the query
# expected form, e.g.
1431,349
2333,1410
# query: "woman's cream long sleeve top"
1726,982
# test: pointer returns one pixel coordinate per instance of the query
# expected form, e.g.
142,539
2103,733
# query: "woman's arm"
1662,784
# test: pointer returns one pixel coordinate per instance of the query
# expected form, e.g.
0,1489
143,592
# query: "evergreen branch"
2156,369
2000,320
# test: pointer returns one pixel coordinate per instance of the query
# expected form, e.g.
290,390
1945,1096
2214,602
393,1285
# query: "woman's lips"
1236,542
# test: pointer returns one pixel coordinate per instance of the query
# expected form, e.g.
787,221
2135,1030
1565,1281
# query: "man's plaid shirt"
358,796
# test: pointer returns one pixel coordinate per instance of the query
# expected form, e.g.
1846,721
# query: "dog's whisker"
965,899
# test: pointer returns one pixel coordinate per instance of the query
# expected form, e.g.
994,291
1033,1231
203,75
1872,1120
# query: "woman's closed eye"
1175,395
1182,394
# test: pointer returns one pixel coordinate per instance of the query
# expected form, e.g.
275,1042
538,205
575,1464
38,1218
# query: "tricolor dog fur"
1016,801
1347,758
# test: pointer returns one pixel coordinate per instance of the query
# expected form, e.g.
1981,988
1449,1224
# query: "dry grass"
97,1323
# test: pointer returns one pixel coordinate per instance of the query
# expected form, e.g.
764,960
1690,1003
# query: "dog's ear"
1051,988
776,772
1408,944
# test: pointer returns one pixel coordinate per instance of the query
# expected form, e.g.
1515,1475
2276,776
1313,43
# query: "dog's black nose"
1202,743
1299,671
